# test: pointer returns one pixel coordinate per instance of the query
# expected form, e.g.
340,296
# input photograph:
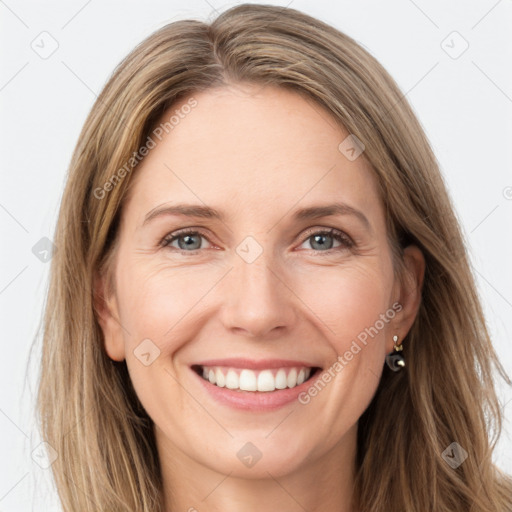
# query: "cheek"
156,307
354,303
348,299
155,301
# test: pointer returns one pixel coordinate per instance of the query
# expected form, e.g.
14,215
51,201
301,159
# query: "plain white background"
462,96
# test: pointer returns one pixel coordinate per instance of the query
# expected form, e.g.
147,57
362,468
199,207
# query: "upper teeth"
250,380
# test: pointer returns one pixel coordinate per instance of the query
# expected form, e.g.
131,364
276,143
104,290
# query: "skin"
257,154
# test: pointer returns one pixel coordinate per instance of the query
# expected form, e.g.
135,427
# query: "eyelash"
344,239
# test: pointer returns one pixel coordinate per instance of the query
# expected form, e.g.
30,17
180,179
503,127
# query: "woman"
261,297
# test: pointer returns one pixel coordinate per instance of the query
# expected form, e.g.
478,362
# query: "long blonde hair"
88,410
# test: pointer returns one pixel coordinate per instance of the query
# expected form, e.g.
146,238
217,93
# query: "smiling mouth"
266,380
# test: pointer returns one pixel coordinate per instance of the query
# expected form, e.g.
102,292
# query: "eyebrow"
184,210
206,212
315,212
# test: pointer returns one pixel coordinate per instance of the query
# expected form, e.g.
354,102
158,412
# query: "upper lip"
261,364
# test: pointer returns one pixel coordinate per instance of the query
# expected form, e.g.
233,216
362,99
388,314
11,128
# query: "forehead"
251,147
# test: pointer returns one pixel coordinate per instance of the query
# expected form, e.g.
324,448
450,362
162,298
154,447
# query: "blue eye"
190,240
324,240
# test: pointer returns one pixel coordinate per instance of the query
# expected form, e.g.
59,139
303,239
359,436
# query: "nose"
257,301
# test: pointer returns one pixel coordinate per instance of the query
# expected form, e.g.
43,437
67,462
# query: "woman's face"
284,264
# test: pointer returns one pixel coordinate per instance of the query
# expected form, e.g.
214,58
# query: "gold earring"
395,360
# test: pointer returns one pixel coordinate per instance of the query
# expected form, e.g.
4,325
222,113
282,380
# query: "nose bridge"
258,299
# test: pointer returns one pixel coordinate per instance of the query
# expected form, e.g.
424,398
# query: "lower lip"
256,400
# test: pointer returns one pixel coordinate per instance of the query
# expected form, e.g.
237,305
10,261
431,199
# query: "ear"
106,307
409,293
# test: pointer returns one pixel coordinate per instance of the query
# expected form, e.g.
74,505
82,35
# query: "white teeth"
250,380
266,381
232,380
219,378
292,378
281,381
